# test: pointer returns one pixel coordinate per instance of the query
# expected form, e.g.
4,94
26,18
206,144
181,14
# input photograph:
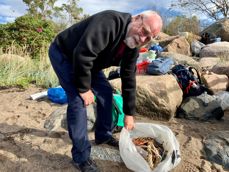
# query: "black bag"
188,82
208,38
114,74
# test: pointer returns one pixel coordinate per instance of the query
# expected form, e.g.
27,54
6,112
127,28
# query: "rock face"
202,107
196,47
156,96
58,118
179,45
162,35
217,49
215,82
219,28
208,62
55,118
216,147
164,41
221,68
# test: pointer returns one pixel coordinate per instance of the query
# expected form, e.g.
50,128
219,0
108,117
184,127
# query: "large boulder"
215,82
164,41
190,36
203,107
156,96
179,45
217,49
208,62
196,47
219,28
162,36
58,118
221,68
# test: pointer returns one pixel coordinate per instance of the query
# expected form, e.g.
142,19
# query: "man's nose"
143,38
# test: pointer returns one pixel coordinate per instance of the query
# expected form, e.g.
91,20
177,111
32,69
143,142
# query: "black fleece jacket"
92,44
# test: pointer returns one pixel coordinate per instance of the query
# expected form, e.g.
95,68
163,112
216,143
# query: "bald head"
152,19
142,28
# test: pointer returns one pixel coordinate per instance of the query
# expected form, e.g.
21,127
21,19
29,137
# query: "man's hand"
88,97
129,122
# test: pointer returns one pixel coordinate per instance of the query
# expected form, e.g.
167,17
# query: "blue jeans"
76,111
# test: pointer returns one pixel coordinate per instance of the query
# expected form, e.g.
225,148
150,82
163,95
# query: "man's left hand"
129,122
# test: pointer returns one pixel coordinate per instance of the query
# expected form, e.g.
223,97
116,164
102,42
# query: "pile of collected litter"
149,148
152,151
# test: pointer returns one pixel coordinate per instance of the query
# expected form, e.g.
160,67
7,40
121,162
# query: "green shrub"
27,31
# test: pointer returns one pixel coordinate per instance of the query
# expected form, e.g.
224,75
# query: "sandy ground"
26,146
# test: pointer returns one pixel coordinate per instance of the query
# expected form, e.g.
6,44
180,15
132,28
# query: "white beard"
130,42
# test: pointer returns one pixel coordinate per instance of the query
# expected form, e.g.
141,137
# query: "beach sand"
26,146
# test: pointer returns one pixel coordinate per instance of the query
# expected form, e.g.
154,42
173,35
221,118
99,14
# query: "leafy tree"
43,8
73,11
182,24
37,28
215,9
66,14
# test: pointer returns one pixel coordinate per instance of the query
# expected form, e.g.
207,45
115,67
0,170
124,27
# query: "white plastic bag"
162,134
196,47
148,56
224,99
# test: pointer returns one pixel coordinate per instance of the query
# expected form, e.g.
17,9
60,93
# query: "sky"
10,9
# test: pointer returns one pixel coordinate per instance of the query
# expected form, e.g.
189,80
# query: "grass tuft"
18,69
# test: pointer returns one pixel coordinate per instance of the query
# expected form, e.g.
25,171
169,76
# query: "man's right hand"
88,97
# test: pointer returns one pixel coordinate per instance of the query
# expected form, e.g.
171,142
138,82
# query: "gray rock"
196,47
58,118
54,120
221,68
216,148
2,136
217,49
207,63
202,107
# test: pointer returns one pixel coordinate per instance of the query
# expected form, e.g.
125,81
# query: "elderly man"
78,55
